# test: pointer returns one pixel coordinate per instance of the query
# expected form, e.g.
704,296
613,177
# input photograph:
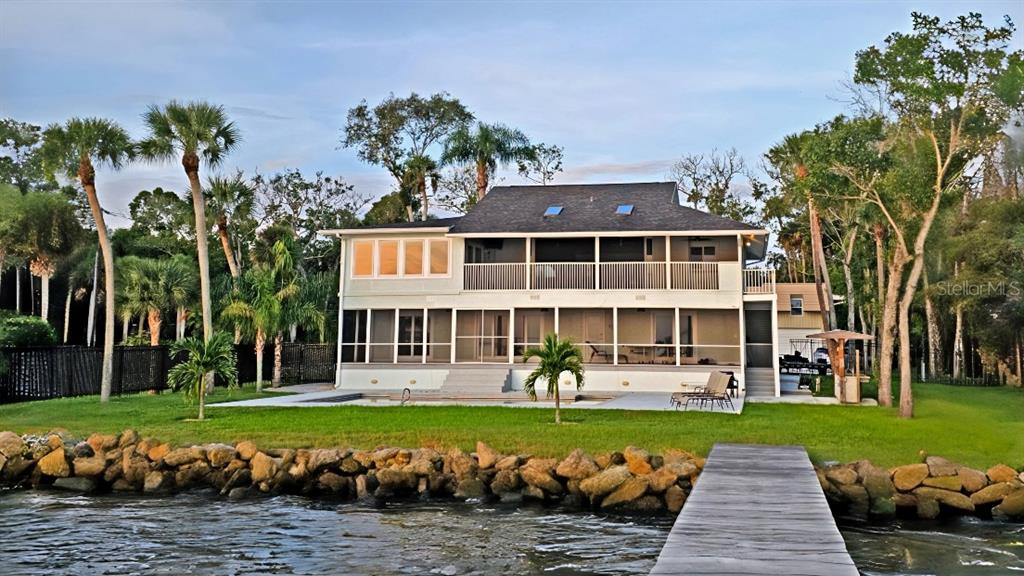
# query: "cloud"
256,113
616,170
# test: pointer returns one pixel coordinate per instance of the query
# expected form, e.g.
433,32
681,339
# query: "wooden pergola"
841,337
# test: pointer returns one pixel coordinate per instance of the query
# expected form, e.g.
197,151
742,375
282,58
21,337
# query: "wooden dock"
756,510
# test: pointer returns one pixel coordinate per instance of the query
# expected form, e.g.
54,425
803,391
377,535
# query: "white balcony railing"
758,281
494,277
617,276
633,276
563,276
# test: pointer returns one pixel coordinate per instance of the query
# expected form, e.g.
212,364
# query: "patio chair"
598,353
678,399
716,392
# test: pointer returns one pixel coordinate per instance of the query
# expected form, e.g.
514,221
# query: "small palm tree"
197,131
256,308
556,358
73,149
489,146
215,356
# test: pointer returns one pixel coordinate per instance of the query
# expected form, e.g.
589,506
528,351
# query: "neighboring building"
799,314
655,294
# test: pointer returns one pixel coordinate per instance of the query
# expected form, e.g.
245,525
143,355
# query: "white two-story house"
655,294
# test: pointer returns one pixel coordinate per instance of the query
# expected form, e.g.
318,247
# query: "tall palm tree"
228,198
73,149
487,147
197,131
556,357
418,170
215,356
80,266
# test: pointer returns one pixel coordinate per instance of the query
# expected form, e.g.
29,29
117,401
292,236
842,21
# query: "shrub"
26,331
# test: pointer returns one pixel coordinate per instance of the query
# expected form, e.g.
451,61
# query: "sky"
625,88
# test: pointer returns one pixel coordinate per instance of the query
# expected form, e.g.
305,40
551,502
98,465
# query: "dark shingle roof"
588,208
432,223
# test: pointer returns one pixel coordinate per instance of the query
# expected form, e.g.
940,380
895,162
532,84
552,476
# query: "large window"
710,337
392,258
481,336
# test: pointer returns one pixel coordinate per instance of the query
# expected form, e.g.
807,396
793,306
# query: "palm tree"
488,147
80,267
195,130
182,290
227,200
418,169
556,357
72,149
47,228
215,356
150,286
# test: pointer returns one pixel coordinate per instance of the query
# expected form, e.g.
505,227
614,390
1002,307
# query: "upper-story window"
796,305
408,258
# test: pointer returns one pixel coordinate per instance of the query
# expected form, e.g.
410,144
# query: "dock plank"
756,510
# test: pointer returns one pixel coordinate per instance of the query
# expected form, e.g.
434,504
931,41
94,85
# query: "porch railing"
633,275
608,276
563,276
695,275
758,281
494,277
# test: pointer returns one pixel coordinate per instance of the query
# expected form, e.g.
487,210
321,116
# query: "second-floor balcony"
595,276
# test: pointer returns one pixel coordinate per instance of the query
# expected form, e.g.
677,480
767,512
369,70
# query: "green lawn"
976,426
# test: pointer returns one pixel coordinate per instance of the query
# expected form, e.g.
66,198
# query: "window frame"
793,310
375,256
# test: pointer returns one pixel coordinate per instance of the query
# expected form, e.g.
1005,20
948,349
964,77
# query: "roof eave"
340,232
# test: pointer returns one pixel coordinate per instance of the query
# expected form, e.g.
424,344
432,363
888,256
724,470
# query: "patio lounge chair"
679,399
716,392
598,353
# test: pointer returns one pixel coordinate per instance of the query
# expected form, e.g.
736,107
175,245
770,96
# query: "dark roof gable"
588,208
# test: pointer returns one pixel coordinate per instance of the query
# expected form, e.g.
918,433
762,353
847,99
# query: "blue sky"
625,88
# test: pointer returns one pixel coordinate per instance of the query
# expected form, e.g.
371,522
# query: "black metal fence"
43,372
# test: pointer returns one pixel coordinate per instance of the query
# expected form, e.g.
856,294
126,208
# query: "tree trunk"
202,399
155,321
888,329
107,373
225,244
851,304
906,370
558,404
278,343
934,333
261,340
17,289
481,180
142,324
293,332
422,183
191,165
812,214
91,323
67,311
179,324
125,321
958,342
1020,375
44,300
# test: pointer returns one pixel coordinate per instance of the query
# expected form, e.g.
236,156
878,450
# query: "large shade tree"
197,132
486,146
74,149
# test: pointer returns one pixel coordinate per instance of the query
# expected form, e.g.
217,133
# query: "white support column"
743,348
557,333
425,311
529,263
597,262
454,340
369,333
511,335
668,266
341,311
395,339
675,337
615,336
775,346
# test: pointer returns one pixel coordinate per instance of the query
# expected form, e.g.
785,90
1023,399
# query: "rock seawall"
926,489
631,480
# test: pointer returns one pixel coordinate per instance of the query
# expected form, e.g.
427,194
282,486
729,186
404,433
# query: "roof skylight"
553,210
624,209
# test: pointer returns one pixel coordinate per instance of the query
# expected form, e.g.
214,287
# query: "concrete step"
476,380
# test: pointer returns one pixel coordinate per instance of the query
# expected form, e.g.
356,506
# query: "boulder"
183,456
577,466
904,500
471,488
544,464
83,450
1001,473
133,468
158,481
55,464
882,507
76,484
539,477
54,441
486,456
857,498
908,477
11,444
1012,505
263,467
191,474
127,438
939,466
93,466
335,483
609,459
157,453
605,482
348,465
661,479
676,455
402,458
122,485
991,494
972,480
240,477
628,491
238,493
461,465
220,455
365,485
945,482
101,442
532,493
927,508
946,497
841,475
396,480
246,450
675,497
878,484
505,481
384,457
638,460
507,463
648,504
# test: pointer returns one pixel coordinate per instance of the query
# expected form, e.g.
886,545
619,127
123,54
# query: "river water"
50,532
